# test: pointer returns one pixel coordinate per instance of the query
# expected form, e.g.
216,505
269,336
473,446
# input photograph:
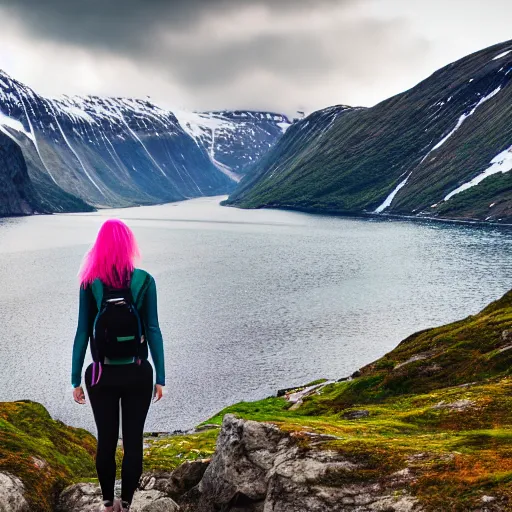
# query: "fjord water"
249,300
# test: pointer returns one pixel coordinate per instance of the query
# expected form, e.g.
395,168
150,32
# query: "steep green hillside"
45,454
438,406
404,156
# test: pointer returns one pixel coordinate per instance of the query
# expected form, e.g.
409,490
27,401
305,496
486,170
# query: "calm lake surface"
249,301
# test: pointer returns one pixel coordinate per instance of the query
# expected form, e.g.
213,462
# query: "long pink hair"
113,256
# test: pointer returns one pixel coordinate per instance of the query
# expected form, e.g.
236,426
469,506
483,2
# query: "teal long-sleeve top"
149,316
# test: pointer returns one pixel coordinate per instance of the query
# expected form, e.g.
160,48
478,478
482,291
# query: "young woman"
113,290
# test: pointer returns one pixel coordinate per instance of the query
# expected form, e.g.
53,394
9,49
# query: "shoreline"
374,216
292,208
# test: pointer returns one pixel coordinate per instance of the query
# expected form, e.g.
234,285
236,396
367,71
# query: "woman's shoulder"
143,275
143,272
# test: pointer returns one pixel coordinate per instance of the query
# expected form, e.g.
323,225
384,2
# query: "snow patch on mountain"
500,163
233,139
387,202
501,55
463,118
389,199
198,125
284,126
14,124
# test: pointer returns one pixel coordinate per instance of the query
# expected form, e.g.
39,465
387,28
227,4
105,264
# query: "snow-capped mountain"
119,151
235,140
442,149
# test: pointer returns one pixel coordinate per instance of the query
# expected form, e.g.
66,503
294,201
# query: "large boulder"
12,494
259,468
80,497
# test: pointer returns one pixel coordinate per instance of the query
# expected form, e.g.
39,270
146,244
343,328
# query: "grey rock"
87,498
458,405
80,498
506,335
12,494
296,398
413,359
356,415
430,369
207,426
153,501
176,483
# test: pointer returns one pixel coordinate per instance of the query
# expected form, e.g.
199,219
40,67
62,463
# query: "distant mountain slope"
19,196
235,139
112,152
443,148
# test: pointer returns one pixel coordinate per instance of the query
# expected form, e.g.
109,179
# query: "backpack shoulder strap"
97,292
138,285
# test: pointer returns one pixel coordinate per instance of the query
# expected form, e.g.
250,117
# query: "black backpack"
118,332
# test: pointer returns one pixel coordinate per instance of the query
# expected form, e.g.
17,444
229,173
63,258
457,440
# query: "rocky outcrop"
158,490
259,468
19,195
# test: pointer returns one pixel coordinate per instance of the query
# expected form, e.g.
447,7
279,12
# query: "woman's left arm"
81,339
153,333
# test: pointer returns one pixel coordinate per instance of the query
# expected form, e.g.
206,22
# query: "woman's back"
118,318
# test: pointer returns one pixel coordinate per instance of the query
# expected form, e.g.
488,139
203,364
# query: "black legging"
132,385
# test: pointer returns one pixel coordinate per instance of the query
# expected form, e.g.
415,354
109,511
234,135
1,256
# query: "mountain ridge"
411,151
116,152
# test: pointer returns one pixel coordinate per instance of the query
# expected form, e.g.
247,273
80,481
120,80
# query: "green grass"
167,453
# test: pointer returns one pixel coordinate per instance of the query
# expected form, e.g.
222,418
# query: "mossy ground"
447,416
167,453
440,404
45,454
48,455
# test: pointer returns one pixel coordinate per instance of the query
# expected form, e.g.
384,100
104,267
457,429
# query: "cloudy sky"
262,54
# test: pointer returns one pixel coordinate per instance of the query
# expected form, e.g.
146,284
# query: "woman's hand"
79,395
159,392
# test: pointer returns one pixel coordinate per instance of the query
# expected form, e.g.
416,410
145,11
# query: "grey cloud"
128,25
212,68
133,29
292,55
356,49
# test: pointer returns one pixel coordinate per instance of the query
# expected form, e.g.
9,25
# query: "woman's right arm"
153,333
81,339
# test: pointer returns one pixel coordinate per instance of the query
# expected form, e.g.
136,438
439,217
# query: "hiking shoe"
107,506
